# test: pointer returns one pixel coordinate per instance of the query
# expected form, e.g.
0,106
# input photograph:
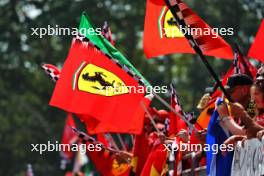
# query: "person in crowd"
222,125
238,86
257,96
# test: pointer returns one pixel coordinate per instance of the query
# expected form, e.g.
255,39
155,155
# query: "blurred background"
25,90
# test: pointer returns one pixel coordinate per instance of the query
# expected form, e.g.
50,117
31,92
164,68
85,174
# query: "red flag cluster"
97,88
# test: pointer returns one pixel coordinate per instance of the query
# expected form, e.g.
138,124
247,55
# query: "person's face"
257,97
239,93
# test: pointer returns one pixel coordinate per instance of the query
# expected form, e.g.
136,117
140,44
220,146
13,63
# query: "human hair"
259,85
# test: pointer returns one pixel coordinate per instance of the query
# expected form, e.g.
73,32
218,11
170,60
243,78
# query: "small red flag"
256,50
94,84
106,32
140,152
246,67
162,35
156,162
176,123
69,137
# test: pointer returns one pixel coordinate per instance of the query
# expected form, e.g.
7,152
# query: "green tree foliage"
25,90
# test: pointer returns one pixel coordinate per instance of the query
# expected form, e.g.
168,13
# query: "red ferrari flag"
95,126
256,50
163,36
95,84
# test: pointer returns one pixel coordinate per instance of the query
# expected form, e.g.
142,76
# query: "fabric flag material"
94,84
105,46
256,50
108,164
95,126
245,66
140,153
236,64
176,123
101,138
162,35
52,71
106,32
156,162
216,163
204,117
92,124
69,137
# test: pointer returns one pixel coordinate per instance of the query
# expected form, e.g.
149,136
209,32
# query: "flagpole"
150,117
111,141
172,4
122,142
133,141
87,138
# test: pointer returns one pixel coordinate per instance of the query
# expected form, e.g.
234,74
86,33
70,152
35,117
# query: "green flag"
106,46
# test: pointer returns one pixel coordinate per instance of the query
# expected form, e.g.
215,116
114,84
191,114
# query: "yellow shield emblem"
170,26
96,80
119,168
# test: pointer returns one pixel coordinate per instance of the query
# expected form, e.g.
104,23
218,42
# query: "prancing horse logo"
99,78
169,25
96,80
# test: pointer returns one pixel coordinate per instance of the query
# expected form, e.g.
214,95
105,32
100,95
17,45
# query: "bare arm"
252,128
232,126
227,121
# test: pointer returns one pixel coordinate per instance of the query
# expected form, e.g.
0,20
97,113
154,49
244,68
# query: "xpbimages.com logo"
51,147
62,31
116,90
174,31
183,147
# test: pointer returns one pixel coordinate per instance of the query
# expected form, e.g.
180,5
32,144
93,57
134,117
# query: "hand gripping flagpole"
122,142
173,5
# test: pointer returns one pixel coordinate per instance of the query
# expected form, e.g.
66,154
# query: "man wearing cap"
238,86
222,125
